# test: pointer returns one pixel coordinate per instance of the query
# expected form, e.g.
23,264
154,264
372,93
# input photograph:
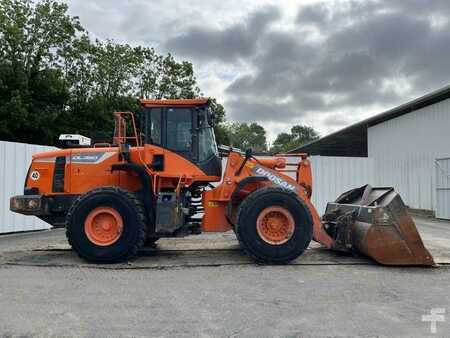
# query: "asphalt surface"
204,286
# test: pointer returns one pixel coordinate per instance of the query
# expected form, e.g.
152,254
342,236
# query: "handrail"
120,128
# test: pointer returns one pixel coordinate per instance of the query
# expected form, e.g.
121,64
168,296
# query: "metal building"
15,158
409,146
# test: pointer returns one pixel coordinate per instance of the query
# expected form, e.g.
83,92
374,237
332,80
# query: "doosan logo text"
274,178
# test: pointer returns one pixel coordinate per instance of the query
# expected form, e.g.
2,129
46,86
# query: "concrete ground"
205,286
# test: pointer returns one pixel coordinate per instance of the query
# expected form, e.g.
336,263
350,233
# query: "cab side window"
154,127
179,129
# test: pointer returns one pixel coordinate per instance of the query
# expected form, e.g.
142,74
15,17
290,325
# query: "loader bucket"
376,223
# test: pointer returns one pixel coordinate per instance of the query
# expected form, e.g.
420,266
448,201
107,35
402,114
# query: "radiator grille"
58,174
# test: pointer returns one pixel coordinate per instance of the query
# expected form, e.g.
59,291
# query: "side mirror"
124,151
211,116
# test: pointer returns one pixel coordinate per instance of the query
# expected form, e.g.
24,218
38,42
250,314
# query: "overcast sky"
326,64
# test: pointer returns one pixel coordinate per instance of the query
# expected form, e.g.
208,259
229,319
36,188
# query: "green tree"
55,79
176,79
220,128
113,70
32,90
245,135
298,136
163,77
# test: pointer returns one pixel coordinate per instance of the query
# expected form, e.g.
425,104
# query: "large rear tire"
274,225
106,225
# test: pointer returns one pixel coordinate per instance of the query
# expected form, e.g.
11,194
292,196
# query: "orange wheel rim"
275,225
103,226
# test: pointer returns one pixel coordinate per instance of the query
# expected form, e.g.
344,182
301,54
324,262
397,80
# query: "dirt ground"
204,286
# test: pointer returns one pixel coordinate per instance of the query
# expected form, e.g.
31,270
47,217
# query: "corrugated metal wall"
405,149
334,175
443,188
15,159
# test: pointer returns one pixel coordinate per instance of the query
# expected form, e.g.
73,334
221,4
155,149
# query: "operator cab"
184,127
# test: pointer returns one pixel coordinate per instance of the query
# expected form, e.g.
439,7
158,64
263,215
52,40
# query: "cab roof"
174,102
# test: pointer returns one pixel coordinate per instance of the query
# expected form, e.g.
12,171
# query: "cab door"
173,128
179,135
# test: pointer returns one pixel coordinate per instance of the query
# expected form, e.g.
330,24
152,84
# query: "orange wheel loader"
167,181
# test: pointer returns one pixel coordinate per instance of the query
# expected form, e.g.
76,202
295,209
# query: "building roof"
174,102
352,140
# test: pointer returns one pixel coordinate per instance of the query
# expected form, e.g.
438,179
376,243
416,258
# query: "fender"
239,187
146,181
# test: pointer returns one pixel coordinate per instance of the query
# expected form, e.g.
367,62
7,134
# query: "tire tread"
250,201
140,213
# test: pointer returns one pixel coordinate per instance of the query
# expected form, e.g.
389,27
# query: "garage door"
443,188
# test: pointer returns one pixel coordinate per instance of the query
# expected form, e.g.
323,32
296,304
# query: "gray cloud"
236,41
332,57
366,50
337,120
248,110
418,7
315,15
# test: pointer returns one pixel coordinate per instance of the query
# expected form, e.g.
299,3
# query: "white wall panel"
405,149
15,159
334,175
443,188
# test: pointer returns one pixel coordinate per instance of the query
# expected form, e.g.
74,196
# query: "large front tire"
274,225
106,225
